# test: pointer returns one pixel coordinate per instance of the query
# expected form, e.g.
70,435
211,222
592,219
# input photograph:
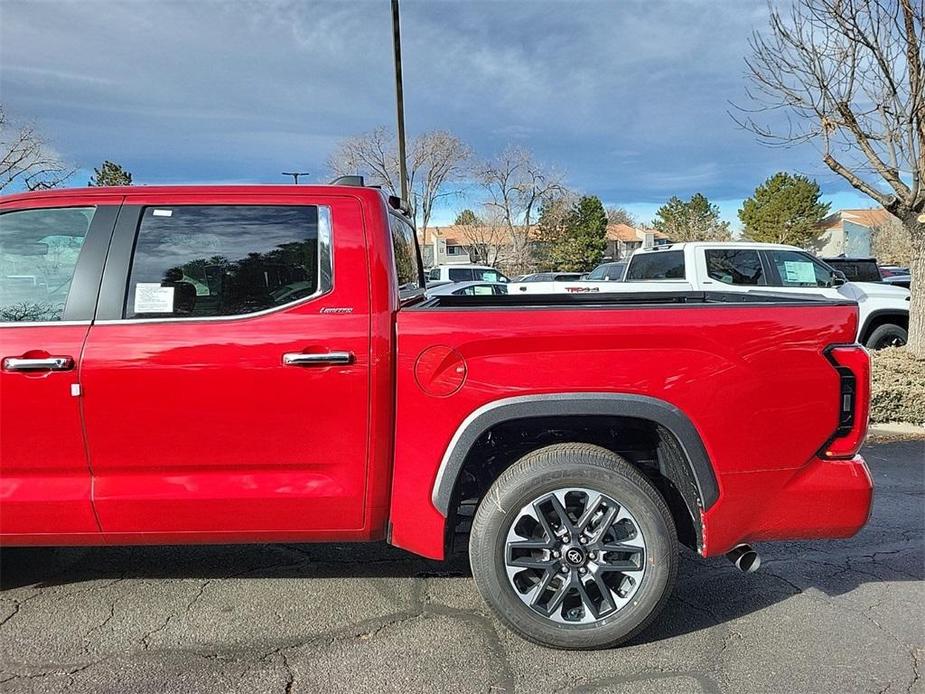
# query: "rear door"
731,269
227,375
51,257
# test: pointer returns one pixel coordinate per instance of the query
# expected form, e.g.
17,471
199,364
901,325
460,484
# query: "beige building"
849,232
463,243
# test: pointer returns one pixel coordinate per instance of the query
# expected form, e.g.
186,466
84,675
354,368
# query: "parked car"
444,274
259,364
551,277
890,270
855,269
904,281
609,272
896,275
761,267
467,289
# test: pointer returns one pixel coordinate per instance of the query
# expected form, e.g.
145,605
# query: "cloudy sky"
628,98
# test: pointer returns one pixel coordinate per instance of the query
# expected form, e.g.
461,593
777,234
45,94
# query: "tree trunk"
916,229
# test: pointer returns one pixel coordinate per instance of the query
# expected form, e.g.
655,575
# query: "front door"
798,272
226,375
50,264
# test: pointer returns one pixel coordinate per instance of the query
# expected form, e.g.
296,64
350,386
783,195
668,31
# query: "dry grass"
898,387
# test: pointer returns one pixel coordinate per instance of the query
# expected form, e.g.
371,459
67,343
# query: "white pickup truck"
748,267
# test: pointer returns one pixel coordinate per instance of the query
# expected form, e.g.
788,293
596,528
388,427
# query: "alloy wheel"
575,556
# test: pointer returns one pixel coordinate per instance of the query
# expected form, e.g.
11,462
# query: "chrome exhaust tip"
744,558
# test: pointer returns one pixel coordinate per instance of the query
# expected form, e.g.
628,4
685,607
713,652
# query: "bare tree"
619,215
435,159
850,77
891,244
487,239
517,186
27,160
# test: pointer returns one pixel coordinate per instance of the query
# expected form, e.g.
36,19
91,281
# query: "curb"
895,430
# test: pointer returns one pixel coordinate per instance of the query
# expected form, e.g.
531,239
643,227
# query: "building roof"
868,217
465,234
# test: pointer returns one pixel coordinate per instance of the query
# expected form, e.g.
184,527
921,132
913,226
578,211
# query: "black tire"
557,467
887,335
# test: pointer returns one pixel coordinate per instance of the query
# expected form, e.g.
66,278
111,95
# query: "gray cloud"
628,97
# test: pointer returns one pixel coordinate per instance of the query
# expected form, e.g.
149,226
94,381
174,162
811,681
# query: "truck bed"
586,300
748,370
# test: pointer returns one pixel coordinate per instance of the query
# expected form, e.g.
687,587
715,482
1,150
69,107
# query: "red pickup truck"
259,364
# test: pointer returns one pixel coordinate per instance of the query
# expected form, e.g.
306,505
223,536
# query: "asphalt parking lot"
839,616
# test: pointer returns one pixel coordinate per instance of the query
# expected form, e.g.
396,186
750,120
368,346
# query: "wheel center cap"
574,556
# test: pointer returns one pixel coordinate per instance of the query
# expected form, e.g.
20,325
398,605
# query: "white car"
444,274
748,267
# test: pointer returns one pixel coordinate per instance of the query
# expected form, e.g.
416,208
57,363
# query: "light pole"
399,102
295,175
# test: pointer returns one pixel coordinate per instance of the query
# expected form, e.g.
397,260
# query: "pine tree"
692,220
784,209
110,174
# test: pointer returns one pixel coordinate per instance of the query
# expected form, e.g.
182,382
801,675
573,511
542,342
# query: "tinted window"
434,274
197,261
488,275
608,271
797,269
663,265
460,274
38,254
732,266
856,270
405,253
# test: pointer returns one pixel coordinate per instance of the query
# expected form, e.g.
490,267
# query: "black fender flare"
864,332
574,404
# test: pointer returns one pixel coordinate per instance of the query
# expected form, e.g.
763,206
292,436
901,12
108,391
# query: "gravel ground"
839,617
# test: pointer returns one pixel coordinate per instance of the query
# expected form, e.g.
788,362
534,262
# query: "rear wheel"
572,547
887,335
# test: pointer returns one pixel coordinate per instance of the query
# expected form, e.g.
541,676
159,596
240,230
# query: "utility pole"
399,102
295,175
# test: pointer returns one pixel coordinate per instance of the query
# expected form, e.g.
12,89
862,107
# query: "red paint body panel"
193,430
754,383
196,426
44,477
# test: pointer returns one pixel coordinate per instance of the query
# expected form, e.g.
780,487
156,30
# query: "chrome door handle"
317,359
42,364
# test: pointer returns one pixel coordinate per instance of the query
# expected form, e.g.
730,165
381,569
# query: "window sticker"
162,213
799,271
151,297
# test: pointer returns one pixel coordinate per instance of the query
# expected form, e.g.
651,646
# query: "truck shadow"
708,592
891,548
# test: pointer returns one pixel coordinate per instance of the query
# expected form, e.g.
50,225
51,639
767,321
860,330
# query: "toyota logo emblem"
574,556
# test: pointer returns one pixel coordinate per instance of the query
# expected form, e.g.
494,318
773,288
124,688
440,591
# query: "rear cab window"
408,268
658,265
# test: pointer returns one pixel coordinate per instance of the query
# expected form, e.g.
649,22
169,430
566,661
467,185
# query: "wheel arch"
881,317
682,456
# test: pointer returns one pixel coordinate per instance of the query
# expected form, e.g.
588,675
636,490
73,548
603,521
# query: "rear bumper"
823,499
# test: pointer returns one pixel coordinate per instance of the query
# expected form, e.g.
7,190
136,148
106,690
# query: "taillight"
853,365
